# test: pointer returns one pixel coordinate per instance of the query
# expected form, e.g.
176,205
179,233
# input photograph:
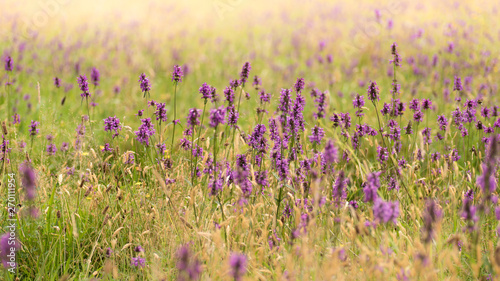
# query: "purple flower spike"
9,64
177,74
84,86
373,92
95,76
238,263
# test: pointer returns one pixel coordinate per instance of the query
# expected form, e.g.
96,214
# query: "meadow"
247,140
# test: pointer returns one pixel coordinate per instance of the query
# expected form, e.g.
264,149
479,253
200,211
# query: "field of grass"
249,140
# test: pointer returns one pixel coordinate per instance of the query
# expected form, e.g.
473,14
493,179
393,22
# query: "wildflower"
339,189
385,211
138,262
299,85
57,82
188,265
358,101
371,186
95,76
256,82
217,116
144,84
238,263
394,51
317,135
112,124
9,64
146,130
245,72
177,74
34,128
28,179
51,149
457,84
161,112
383,154
432,215
373,92
84,86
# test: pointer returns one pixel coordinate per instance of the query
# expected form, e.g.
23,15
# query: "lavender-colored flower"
432,215
188,265
418,116
206,91
373,92
317,135
469,214
144,84
443,122
426,133
394,51
217,116
238,263
385,211
458,84
28,179
339,189
256,82
8,244
245,72
107,148
371,186
84,86
299,85
426,104
330,154
16,119
358,101
229,95
414,105
320,104
232,116
383,154
261,178
9,64
177,74
146,130
193,118
57,82
161,112
285,105
34,128
138,262
51,149
95,76
112,124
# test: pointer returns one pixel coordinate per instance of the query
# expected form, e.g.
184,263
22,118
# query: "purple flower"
320,104
414,105
285,105
217,116
371,186
383,154
33,128
385,211
84,86
358,101
256,82
458,84
426,104
373,92
339,189
394,51
418,116
161,112
299,85
245,72
206,91
193,118
229,95
232,116
8,244
138,262
57,82
51,149
443,122
432,215
426,133
317,135
188,265
95,76
146,130
28,179
238,263
9,64
144,84
107,148
112,124
177,74
330,153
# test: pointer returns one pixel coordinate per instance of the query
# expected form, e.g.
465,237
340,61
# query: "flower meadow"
250,141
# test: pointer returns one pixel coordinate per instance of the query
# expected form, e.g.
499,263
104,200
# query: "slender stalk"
175,116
